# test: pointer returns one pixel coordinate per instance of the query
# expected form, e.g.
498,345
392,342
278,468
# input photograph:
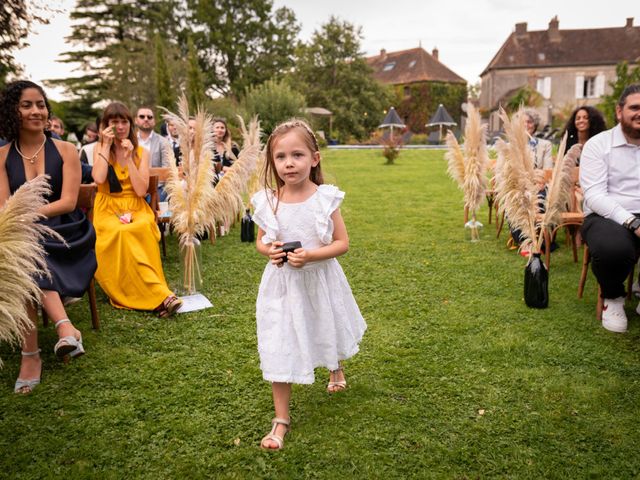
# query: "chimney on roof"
383,53
521,29
554,31
629,22
434,53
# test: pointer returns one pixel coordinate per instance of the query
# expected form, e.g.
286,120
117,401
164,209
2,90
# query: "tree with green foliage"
195,84
274,102
242,42
331,72
16,18
524,96
625,76
422,102
165,90
113,41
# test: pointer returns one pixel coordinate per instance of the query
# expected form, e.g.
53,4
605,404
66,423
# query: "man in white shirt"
610,178
158,146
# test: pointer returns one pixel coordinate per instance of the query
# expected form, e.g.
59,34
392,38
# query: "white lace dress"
307,317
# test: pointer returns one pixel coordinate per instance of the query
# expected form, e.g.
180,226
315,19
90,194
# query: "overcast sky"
466,33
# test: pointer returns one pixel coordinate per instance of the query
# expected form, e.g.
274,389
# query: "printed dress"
306,317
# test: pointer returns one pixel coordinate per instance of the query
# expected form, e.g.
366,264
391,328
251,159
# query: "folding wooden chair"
161,173
86,197
586,259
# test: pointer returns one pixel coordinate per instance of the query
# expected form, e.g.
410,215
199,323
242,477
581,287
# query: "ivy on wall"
416,103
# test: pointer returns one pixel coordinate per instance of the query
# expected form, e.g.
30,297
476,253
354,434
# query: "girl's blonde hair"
270,174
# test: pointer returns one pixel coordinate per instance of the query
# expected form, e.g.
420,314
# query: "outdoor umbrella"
392,120
441,118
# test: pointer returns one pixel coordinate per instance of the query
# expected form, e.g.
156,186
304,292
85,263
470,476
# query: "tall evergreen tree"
115,48
16,18
165,90
332,73
195,85
242,42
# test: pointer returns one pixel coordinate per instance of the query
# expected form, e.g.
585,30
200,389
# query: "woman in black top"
24,112
225,152
585,122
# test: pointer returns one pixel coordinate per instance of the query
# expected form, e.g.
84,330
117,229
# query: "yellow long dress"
129,265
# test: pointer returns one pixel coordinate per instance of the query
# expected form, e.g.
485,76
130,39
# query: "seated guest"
540,148
584,123
225,152
57,127
174,140
86,152
610,178
129,266
157,146
24,110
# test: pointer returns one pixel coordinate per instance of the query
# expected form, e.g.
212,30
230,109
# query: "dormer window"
389,66
412,64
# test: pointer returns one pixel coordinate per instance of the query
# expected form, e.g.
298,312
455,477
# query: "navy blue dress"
72,266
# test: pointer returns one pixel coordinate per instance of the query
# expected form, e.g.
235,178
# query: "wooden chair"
86,197
571,220
161,173
586,259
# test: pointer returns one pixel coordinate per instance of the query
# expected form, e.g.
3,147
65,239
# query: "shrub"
274,102
391,149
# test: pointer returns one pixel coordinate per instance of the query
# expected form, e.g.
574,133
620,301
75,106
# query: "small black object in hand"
290,247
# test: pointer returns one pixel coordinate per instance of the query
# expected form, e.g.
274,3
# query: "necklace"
31,159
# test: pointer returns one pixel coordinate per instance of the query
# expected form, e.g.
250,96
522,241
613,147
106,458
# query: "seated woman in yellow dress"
129,265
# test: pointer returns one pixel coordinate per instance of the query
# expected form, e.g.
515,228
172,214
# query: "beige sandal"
272,434
334,387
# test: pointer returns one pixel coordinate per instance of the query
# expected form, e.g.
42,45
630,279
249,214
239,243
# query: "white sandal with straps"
68,345
272,434
26,386
339,386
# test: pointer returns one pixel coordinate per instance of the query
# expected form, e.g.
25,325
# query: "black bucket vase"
536,283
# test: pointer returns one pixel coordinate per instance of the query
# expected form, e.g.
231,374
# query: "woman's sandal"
68,346
168,307
26,386
334,387
279,441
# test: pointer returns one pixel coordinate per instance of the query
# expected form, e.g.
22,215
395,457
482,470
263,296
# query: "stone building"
568,68
421,82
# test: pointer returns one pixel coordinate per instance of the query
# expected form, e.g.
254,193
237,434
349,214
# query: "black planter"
536,283
247,228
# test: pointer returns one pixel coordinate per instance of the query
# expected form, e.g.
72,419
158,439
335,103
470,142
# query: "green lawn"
456,377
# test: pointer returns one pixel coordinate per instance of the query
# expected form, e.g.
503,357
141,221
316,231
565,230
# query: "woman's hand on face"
107,136
298,258
276,254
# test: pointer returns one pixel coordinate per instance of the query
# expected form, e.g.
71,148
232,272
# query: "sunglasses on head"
148,117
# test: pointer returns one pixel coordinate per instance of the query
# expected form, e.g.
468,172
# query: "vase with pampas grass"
21,257
468,168
195,203
191,193
517,193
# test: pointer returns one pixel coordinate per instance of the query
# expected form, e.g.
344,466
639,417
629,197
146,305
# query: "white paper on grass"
191,303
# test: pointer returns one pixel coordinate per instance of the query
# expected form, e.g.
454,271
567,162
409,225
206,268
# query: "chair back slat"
86,197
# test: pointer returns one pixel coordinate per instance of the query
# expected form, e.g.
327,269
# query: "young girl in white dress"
306,314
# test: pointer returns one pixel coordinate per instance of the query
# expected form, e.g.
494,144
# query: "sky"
467,33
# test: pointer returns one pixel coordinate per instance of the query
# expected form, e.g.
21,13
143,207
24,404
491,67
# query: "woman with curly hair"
31,152
584,123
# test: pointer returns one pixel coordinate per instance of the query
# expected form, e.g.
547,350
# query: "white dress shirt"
610,176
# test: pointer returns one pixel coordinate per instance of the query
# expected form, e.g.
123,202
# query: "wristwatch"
632,224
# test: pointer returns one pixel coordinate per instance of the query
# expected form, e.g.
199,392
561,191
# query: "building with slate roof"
413,73
568,68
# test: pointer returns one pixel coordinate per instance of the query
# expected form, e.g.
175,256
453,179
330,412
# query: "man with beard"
610,178
158,146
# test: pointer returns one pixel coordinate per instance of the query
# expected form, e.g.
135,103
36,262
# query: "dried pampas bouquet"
191,194
468,165
21,257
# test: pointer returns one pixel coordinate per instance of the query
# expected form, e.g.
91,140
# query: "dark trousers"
613,251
